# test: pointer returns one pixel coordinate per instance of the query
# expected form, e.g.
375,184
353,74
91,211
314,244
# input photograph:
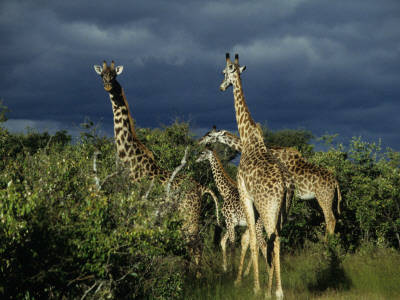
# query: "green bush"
60,237
369,181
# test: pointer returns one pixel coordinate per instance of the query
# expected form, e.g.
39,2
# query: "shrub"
62,238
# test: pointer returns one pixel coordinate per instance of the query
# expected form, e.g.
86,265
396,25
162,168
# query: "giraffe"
311,181
262,180
232,211
142,164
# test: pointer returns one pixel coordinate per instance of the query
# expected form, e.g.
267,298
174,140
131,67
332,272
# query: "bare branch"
88,291
183,163
149,190
96,155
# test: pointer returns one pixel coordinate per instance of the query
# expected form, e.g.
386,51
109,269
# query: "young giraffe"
312,182
142,164
262,180
232,211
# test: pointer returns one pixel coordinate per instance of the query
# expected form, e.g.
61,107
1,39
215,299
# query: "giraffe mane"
231,181
289,149
133,131
251,120
224,132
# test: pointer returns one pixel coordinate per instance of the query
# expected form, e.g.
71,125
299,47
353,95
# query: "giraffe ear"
119,69
242,69
98,69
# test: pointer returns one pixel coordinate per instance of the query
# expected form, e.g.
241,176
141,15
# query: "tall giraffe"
142,164
262,180
232,210
312,182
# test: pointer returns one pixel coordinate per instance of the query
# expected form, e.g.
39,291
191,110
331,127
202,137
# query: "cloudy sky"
324,66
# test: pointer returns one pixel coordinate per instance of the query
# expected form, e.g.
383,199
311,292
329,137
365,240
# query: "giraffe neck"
224,182
130,150
232,141
248,129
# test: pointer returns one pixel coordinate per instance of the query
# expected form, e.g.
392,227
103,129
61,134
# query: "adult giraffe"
142,164
262,180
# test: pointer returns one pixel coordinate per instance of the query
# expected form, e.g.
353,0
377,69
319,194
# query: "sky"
330,67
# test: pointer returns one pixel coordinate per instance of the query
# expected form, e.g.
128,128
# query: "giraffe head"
205,155
220,136
210,137
108,73
231,72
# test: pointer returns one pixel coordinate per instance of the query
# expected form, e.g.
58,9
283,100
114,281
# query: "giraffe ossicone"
108,73
229,72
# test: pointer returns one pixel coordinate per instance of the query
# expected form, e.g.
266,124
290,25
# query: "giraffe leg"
223,246
262,245
195,246
197,249
249,211
247,271
325,201
232,247
275,268
270,278
277,265
330,219
245,244
270,266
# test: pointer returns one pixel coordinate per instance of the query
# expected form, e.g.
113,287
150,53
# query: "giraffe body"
142,164
262,180
232,210
311,181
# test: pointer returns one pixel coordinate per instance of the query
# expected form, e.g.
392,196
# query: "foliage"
298,139
168,143
62,238
14,144
3,112
369,180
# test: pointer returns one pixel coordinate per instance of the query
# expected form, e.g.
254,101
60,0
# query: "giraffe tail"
216,202
339,195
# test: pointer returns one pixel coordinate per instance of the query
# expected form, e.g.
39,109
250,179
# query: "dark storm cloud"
325,66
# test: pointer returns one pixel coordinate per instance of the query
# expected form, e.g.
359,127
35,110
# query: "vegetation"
298,139
61,236
72,225
316,271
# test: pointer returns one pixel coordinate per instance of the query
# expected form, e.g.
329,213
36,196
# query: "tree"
3,112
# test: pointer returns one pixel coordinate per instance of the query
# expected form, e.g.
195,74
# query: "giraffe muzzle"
223,87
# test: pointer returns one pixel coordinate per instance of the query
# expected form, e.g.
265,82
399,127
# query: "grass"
316,272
